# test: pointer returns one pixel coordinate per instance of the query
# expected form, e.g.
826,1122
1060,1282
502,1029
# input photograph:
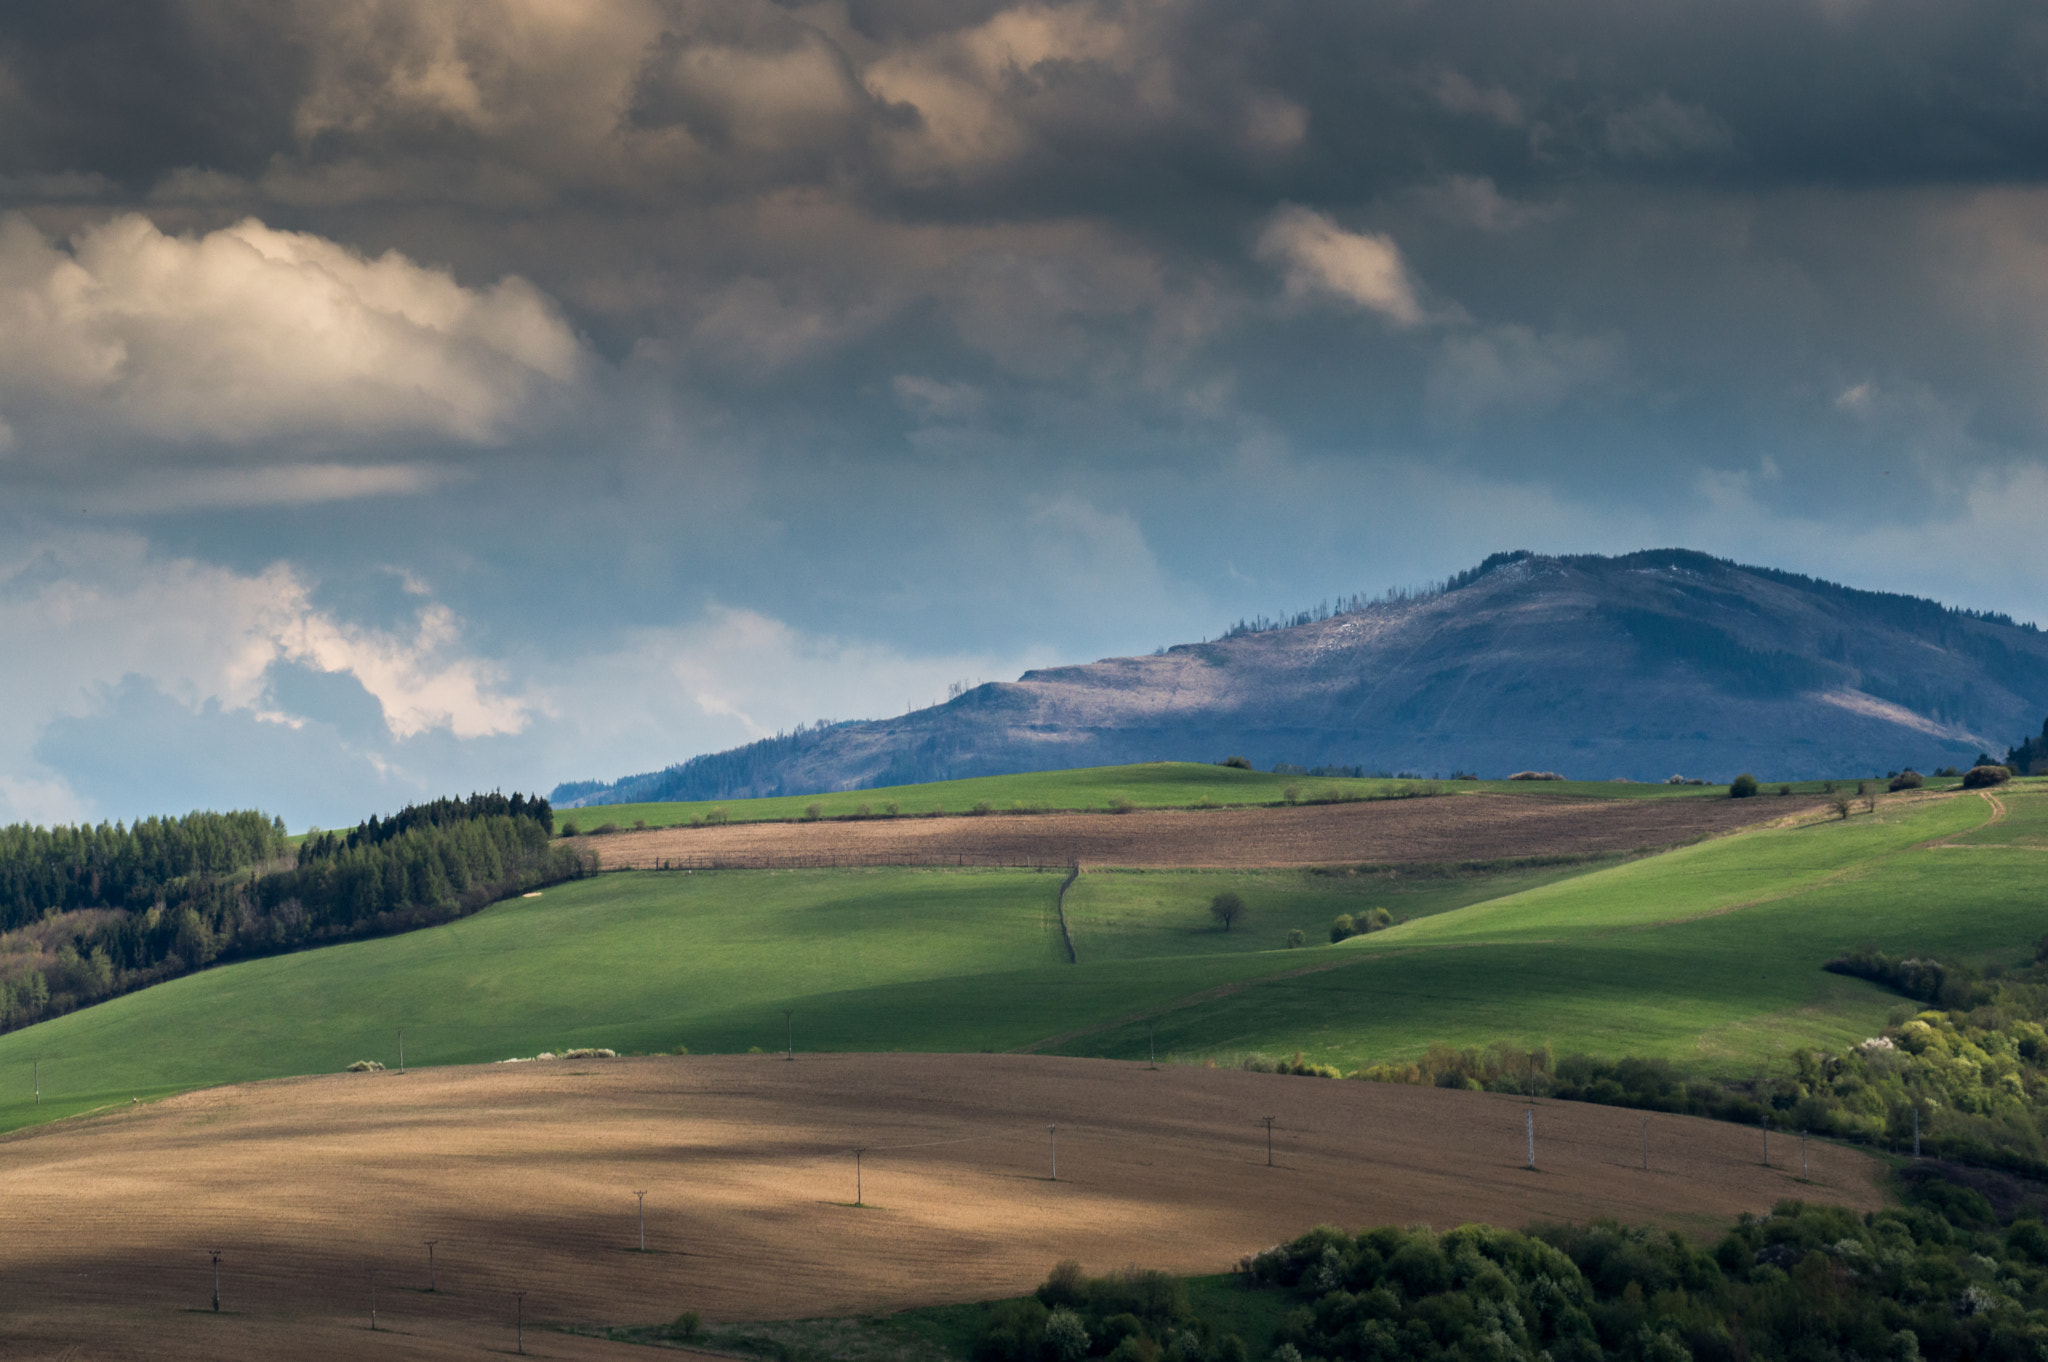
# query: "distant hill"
1641,666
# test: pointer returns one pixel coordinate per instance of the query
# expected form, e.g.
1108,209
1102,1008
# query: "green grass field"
1154,785
1709,953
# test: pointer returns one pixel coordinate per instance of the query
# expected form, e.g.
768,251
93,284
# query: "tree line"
1958,1272
99,911
1967,1075
115,866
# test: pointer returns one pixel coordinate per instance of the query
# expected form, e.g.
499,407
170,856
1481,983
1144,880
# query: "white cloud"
737,675
249,333
97,609
965,84
1318,256
278,485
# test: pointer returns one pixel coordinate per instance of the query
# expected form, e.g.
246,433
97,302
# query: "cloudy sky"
401,397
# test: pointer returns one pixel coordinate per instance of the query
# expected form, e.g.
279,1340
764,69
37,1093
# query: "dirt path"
525,1175
1447,828
1949,842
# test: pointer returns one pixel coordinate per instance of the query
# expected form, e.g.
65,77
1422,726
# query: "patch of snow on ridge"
1870,707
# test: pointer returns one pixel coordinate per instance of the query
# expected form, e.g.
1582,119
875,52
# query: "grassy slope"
1634,957
869,959
1710,953
1143,914
1165,784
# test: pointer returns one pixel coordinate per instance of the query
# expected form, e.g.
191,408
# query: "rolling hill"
1638,666
1709,954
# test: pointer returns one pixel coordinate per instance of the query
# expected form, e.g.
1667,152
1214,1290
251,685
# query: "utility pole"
430,1262
858,1150
1764,1123
1054,1140
1529,1126
373,1300
401,1049
38,1070
1802,1153
1151,1047
643,1220
789,1033
519,1321
216,1280
1269,1139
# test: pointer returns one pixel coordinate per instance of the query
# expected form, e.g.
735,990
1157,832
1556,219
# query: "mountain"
1641,666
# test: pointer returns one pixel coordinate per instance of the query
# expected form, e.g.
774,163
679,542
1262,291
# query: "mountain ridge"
1640,666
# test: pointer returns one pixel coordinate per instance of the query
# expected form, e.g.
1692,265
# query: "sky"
402,397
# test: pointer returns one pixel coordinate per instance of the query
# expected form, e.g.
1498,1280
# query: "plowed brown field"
525,1175
1449,828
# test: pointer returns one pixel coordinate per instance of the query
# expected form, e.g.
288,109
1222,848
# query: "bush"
605,829
1742,787
1015,1332
864,811
983,807
1980,777
1908,779
1121,805
813,812
1535,775
1065,1285
1377,920
1784,789
365,1066
686,1324
1236,763
890,808
569,829
1292,794
1066,1337
1344,928
1227,908
1297,937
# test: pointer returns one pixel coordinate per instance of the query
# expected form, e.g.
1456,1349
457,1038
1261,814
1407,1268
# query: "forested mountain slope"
1640,666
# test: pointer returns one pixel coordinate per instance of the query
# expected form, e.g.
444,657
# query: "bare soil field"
525,1176
1445,828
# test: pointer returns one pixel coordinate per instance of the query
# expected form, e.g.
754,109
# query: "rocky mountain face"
1641,666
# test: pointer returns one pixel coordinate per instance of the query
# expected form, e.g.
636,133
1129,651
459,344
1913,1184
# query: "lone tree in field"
1227,908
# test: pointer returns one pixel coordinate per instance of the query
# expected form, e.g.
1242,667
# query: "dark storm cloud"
131,90
1532,94
727,341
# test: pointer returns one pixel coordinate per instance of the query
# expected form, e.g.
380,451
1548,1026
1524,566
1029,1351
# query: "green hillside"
1153,785
1710,953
